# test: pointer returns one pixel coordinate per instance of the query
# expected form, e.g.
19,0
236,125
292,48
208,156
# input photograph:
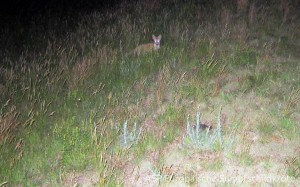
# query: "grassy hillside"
217,105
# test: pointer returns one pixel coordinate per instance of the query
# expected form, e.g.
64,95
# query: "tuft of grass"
288,128
266,129
198,136
292,101
258,81
244,157
108,169
293,167
9,123
164,174
211,68
130,138
191,178
245,57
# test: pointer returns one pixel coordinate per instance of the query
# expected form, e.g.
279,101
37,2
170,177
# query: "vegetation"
200,135
68,86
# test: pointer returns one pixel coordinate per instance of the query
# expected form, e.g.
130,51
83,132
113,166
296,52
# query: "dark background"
23,11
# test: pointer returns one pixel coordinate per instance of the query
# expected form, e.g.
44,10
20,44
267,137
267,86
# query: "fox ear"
159,37
153,37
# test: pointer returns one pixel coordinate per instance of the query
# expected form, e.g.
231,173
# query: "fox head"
156,41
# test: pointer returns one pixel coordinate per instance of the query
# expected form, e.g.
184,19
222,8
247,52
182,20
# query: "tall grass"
63,90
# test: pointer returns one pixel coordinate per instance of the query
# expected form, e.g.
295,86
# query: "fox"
145,48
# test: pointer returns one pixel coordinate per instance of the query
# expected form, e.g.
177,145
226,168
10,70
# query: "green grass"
266,129
288,128
214,165
64,101
293,167
243,57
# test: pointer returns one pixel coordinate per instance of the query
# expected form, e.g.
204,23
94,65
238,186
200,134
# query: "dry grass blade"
8,125
292,101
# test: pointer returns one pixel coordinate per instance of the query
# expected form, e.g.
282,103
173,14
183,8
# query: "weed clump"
200,136
130,138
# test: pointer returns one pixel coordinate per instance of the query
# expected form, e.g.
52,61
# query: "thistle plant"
130,138
201,136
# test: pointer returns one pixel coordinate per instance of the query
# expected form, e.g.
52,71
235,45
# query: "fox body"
144,48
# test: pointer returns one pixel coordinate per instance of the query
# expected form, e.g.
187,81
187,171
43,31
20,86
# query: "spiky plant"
200,136
130,138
